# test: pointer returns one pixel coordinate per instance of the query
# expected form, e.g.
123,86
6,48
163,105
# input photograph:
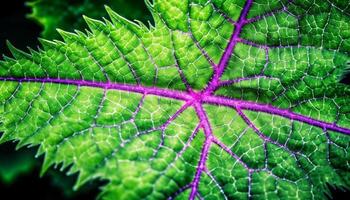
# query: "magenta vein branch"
247,105
203,118
215,81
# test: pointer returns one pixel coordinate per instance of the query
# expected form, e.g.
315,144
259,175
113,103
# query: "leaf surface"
218,100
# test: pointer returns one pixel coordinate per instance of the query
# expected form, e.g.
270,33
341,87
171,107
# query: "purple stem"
229,49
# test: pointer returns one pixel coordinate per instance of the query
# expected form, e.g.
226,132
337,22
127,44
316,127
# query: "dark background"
23,33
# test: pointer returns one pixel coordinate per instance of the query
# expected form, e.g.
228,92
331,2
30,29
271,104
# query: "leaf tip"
67,36
93,24
149,5
16,52
116,18
86,18
83,177
46,165
108,9
46,43
4,137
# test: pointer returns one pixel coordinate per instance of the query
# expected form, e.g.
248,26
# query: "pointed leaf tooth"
48,162
157,21
108,22
83,177
18,54
55,165
112,14
33,52
65,165
81,34
94,25
7,58
36,155
149,4
155,15
59,43
47,44
41,150
61,169
150,26
70,171
150,7
20,144
4,136
118,19
142,25
89,34
67,36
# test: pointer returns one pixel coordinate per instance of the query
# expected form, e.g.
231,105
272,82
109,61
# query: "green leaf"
218,100
67,15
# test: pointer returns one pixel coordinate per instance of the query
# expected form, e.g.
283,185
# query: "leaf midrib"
191,98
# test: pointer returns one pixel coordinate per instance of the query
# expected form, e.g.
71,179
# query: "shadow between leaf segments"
197,99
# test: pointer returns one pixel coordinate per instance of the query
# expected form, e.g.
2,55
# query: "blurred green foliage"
14,164
67,14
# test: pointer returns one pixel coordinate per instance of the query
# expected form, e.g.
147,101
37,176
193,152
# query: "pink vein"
191,97
114,86
247,105
205,150
229,49
228,150
177,113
